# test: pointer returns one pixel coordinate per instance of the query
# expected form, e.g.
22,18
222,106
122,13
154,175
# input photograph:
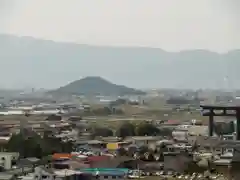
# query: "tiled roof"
97,158
61,155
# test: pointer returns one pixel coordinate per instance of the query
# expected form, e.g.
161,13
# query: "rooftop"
66,172
223,162
6,176
227,107
97,158
142,138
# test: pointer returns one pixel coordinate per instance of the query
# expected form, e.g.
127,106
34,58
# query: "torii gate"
232,111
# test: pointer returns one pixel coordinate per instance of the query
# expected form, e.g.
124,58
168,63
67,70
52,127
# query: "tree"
36,146
146,129
165,132
102,111
101,131
75,118
67,146
122,151
54,117
126,129
27,147
118,102
131,150
143,149
222,128
55,145
33,148
15,144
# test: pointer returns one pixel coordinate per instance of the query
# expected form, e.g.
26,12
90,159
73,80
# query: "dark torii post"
231,111
238,123
210,113
211,123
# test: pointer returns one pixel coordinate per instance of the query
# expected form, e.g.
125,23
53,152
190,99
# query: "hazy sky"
168,24
172,25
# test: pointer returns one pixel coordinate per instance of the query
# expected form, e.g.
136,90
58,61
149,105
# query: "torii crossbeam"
210,111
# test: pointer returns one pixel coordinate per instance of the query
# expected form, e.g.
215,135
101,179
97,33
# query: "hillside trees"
126,129
222,128
36,146
101,131
142,129
146,129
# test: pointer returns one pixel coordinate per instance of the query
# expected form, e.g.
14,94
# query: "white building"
6,159
41,173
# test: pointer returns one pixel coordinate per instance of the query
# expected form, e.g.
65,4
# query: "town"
155,134
119,89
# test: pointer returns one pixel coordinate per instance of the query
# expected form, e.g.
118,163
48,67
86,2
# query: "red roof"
61,156
97,158
172,122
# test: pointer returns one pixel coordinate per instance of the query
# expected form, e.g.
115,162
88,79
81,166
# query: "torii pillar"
235,112
238,123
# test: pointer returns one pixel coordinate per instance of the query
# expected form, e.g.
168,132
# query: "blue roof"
106,171
112,173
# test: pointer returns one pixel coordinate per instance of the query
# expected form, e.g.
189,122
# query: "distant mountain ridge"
95,86
26,61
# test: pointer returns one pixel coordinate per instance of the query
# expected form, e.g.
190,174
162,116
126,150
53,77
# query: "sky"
172,25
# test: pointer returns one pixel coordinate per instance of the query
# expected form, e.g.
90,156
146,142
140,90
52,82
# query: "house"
70,164
142,140
27,162
198,130
6,159
68,174
115,146
236,163
3,141
6,176
41,173
177,161
107,173
99,161
229,163
108,162
206,143
223,165
111,139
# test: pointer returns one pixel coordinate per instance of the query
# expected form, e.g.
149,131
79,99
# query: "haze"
172,25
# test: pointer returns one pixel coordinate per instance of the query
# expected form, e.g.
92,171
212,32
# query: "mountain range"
25,61
95,86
